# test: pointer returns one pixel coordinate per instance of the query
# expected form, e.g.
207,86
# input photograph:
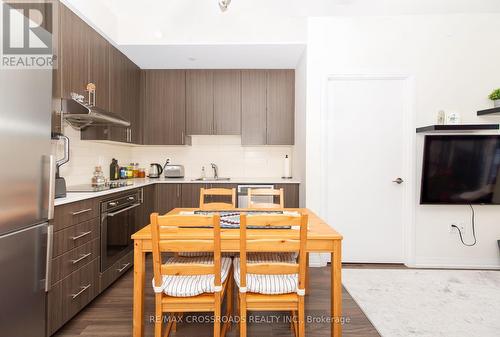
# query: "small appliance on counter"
60,183
173,171
155,170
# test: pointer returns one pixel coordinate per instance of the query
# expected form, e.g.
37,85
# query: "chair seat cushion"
192,285
268,284
198,254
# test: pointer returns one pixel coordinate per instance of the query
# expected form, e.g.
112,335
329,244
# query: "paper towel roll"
287,172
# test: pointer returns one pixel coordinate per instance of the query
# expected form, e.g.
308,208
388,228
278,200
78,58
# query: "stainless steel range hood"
80,114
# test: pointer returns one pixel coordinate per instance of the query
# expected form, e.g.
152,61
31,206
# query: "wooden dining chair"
268,282
222,193
187,284
256,192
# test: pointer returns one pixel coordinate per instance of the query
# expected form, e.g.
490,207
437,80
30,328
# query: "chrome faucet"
216,170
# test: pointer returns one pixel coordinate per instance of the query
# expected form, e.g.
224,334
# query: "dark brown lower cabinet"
291,194
191,194
168,197
115,271
148,204
70,295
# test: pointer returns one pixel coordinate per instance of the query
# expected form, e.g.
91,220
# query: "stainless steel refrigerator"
26,200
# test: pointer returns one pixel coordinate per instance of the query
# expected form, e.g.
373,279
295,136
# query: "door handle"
83,257
83,289
123,268
398,181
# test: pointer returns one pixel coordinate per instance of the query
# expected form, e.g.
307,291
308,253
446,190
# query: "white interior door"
365,154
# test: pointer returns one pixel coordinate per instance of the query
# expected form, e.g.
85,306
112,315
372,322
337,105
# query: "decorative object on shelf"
441,117
453,118
224,4
495,97
287,172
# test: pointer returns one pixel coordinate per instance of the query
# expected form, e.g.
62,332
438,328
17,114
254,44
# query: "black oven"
118,222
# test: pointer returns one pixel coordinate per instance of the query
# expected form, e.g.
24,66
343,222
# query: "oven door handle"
123,210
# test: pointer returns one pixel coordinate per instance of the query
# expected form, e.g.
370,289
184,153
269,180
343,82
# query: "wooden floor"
110,315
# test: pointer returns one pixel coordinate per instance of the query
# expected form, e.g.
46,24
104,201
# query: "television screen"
461,170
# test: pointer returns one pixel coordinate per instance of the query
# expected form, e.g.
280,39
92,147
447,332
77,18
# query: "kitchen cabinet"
199,102
148,204
227,102
267,107
83,57
290,193
74,53
280,107
254,107
168,197
213,102
190,196
163,106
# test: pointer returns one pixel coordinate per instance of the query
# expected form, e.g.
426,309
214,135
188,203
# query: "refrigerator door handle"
52,187
48,265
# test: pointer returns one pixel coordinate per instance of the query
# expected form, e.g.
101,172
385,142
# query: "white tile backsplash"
232,159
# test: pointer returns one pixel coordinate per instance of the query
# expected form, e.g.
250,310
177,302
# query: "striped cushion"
192,285
268,284
198,254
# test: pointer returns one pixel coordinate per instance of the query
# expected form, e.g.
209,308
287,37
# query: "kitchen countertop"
137,183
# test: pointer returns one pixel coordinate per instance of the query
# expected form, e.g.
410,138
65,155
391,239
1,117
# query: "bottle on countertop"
123,172
98,179
130,171
203,172
114,170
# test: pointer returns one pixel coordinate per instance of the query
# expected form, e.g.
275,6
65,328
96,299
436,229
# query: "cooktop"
90,188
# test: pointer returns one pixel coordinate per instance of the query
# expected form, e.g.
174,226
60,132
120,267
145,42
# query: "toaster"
173,171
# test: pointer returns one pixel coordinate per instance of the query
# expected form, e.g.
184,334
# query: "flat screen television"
461,170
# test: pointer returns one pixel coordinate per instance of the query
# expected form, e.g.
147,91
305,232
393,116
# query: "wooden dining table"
321,238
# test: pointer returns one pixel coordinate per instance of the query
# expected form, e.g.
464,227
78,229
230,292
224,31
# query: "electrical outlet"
460,225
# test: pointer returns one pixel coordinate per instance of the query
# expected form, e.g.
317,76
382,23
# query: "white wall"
454,62
299,156
232,159
85,156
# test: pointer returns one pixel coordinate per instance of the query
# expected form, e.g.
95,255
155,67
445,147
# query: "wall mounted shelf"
457,128
489,112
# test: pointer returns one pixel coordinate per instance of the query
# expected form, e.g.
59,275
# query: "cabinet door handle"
182,137
83,257
123,268
74,238
73,296
82,211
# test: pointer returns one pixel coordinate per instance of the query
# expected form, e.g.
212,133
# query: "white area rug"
428,303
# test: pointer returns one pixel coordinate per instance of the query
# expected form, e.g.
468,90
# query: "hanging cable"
473,220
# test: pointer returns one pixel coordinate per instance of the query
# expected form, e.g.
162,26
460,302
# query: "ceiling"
251,34
225,56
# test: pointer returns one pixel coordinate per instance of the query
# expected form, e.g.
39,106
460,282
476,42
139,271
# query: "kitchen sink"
212,179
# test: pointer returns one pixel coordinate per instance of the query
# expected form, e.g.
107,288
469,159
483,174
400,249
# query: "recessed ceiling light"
224,4
158,34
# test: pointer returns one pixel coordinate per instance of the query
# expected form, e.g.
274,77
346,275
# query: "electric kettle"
155,170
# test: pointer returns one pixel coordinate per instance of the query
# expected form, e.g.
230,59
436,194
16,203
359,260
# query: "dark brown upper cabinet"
227,102
99,68
74,53
280,107
163,106
199,102
253,107
213,102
